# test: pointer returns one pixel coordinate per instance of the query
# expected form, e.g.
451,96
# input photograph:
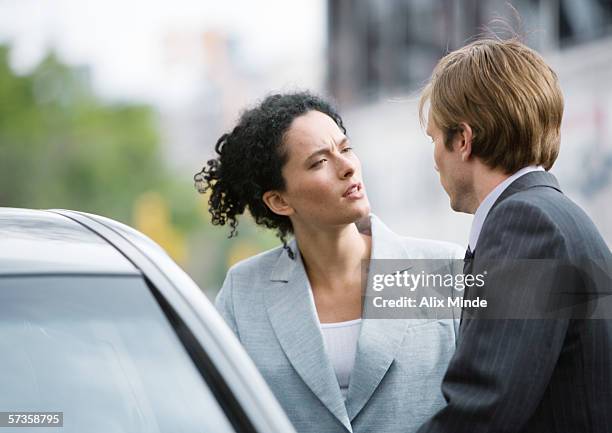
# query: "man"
495,110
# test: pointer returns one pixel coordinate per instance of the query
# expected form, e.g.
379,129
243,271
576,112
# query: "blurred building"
381,52
381,47
211,78
205,85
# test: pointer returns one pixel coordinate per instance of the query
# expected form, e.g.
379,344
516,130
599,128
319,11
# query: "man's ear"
276,203
463,141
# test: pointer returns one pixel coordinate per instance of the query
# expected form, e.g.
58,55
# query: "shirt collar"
489,201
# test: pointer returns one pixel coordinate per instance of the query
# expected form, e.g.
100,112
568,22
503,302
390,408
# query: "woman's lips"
355,191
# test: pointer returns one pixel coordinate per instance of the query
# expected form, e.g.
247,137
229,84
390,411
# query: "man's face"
454,173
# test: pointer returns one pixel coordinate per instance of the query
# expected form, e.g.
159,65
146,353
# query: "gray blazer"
399,365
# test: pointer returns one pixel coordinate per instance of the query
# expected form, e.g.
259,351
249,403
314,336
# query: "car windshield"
100,350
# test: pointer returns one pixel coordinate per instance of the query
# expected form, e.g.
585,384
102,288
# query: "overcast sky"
121,39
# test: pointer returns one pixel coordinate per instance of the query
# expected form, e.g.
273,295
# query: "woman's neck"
332,255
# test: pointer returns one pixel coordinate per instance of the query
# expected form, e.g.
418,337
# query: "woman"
297,309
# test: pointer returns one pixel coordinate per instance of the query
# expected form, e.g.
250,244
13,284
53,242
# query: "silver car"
100,331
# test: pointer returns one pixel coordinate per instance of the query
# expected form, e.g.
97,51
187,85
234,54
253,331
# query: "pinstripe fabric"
541,376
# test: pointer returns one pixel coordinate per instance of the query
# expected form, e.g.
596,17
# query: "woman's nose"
347,168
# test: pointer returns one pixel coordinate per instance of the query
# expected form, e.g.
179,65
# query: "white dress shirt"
489,201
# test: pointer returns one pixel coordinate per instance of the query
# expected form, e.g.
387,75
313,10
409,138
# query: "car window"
100,350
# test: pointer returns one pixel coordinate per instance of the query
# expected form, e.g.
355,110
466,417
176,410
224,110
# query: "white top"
489,201
341,346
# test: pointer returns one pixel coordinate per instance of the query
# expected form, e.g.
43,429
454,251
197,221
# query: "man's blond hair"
507,94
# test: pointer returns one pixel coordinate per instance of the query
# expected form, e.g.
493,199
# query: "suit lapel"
379,339
294,319
529,180
378,343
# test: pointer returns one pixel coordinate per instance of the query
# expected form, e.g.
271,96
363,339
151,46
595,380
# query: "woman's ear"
276,203
464,141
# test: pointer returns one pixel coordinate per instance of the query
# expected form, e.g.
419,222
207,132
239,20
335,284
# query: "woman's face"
322,174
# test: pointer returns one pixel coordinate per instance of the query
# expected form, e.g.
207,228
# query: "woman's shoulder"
258,264
246,275
432,249
414,247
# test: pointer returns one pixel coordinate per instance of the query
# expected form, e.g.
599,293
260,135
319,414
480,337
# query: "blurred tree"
152,217
61,146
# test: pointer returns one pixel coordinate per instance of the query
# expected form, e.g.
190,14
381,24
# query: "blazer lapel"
379,339
294,319
378,343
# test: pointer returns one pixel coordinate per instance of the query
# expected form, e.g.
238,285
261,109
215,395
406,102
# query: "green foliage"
63,147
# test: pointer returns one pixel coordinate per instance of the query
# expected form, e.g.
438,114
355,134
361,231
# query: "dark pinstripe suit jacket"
546,375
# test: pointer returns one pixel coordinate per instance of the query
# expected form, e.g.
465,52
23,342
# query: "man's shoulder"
544,216
546,205
537,201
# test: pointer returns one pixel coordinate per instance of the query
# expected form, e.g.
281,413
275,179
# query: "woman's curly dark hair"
250,159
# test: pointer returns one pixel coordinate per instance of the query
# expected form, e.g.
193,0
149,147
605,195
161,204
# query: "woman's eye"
318,163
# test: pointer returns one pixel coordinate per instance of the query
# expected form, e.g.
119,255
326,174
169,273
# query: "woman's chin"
361,210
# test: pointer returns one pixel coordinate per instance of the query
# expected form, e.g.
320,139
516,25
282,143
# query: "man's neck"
485,181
